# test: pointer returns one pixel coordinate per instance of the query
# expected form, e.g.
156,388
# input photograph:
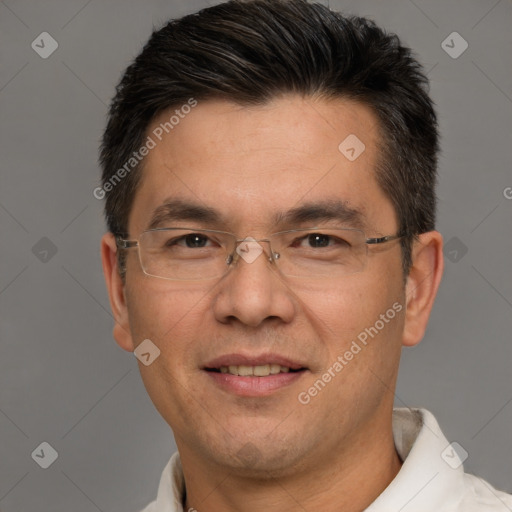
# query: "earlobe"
422,285
116,292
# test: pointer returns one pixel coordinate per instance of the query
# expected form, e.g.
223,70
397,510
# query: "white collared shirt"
431,479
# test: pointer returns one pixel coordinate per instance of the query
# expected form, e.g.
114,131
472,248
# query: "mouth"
253,376
263,370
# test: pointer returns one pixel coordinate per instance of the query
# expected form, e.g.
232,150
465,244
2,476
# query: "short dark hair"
249,52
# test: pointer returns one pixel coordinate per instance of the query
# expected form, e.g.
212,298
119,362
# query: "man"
269,170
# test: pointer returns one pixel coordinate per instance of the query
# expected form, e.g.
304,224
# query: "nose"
253,291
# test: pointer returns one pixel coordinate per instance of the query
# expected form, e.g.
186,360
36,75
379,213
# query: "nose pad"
233,259
249,250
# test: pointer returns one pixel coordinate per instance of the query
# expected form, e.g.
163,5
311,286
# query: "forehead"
252,164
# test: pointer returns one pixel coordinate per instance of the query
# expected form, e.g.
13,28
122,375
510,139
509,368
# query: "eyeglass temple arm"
126,244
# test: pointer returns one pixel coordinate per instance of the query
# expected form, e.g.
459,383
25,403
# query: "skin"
274,453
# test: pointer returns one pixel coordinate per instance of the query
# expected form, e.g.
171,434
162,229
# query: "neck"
349,480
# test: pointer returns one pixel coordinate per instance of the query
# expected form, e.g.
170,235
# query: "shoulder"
479,493
150,508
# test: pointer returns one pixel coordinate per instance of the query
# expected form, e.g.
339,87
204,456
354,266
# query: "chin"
261,459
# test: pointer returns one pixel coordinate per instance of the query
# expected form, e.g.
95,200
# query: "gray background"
63,379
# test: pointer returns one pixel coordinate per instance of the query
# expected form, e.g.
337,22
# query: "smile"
263,370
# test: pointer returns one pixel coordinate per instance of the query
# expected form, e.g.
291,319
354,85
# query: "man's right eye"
189,241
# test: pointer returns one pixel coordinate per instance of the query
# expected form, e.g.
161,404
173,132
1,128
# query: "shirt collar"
431,477
171,490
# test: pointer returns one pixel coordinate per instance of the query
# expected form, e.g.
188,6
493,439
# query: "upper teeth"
258,371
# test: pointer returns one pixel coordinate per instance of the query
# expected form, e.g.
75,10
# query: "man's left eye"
320,240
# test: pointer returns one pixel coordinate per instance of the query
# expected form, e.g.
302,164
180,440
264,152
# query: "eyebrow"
326,210
173,210
180,210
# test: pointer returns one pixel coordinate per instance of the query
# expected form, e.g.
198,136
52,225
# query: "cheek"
172,318
357,310
343,306
167,315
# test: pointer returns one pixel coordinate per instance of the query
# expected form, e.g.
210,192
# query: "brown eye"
318,240
195,240
189,241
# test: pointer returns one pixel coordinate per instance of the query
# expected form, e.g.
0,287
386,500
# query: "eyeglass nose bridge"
249,249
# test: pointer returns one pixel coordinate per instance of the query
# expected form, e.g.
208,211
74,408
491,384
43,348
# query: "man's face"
248,164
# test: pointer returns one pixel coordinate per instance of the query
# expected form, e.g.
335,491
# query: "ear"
115,288
422,285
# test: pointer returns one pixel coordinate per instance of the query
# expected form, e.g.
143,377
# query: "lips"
254,376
